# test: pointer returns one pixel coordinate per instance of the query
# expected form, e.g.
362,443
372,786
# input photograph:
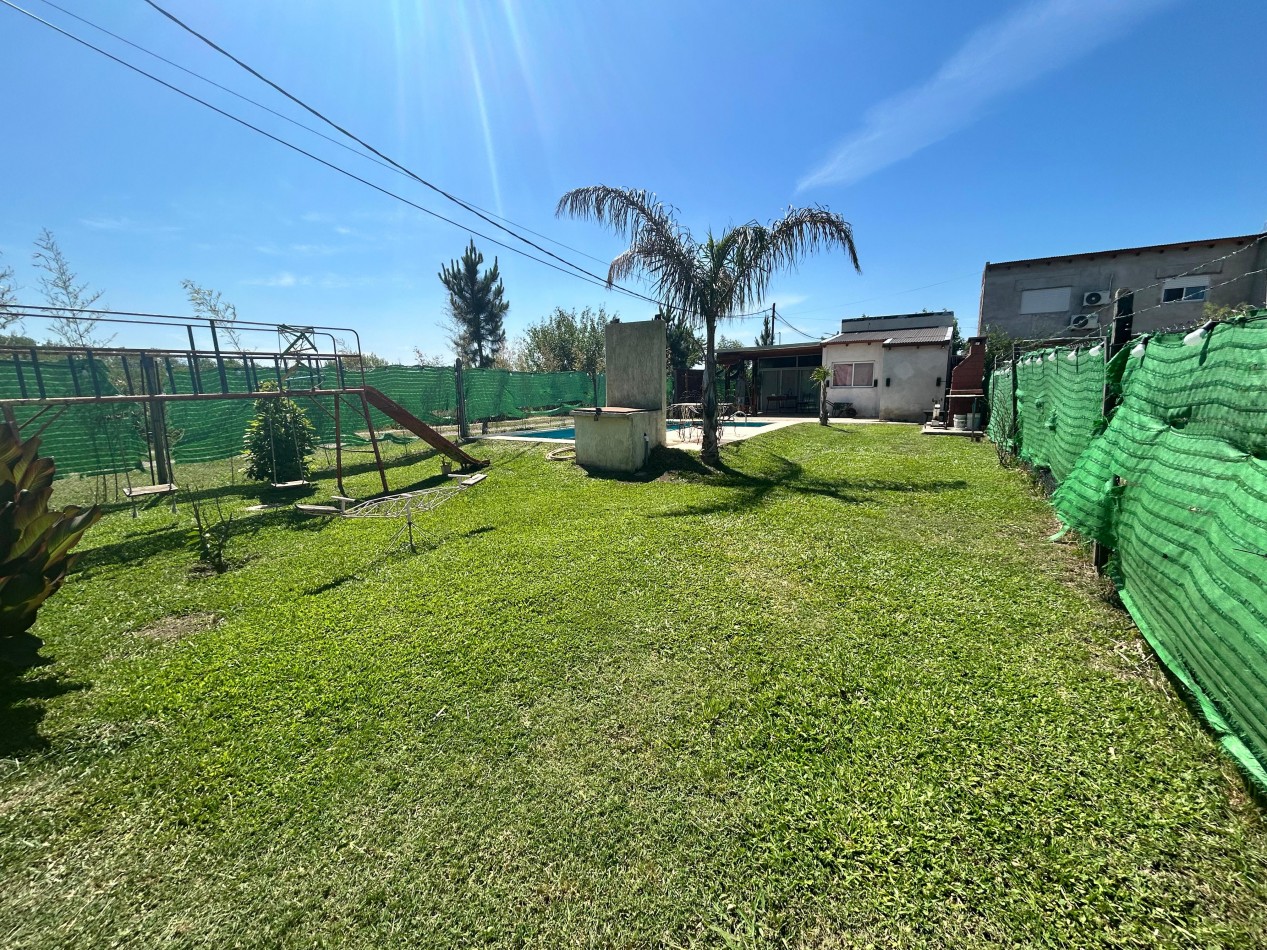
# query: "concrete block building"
1161,285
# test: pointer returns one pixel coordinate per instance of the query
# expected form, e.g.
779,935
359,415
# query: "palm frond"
758,252
658,246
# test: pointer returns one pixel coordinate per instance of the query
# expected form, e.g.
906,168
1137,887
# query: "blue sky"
948,134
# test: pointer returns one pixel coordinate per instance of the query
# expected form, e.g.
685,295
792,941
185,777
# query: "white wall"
865,399
914,377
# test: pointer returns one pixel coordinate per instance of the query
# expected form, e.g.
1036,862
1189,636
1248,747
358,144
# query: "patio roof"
741,353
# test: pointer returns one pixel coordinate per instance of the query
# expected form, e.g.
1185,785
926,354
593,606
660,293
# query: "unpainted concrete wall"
617,442
1134,270
636,365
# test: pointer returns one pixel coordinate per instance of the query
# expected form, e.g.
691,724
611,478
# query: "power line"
474,209
577,271
783,319
297,123
582,275
395,164
899,293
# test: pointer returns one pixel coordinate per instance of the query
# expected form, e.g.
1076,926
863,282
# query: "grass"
840,693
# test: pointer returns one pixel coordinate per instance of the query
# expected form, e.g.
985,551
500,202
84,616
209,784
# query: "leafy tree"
729,342
566,341
211,305
998,349
35,542
8,297
423,358
477,306
714,278
685,348
354,362
822,376
278,440
66,295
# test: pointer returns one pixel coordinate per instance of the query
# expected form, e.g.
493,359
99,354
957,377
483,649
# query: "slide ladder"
407,420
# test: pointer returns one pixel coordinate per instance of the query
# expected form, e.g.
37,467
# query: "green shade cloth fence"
103,439
1175,483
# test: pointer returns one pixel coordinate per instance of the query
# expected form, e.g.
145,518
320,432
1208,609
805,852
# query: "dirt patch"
177,628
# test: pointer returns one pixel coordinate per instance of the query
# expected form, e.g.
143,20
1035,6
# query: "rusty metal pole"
338,445
158,420
369,425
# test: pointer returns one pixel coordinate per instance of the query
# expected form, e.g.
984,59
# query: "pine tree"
477,305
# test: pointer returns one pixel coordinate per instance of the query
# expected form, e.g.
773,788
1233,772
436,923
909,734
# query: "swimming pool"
569,432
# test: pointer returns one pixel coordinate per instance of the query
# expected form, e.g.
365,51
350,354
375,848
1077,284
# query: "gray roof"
897,337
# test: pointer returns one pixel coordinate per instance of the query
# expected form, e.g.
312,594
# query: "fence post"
1014,427
1119,336
464,431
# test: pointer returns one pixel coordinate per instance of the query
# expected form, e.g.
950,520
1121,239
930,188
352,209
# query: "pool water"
569,432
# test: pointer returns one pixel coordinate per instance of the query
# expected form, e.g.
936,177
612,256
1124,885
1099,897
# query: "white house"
892,367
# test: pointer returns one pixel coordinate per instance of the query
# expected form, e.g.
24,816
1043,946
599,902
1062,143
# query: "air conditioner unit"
1095,298
1084,321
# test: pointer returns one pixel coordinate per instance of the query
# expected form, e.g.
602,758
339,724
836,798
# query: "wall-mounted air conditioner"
1095,298
1084,321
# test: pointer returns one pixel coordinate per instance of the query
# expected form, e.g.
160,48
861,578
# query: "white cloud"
127,225
283,279
998,58
787,300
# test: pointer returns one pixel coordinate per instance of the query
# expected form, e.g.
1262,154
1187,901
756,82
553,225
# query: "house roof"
735,354
1159,248
912,337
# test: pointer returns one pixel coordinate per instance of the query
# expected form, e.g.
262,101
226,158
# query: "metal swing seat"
272,449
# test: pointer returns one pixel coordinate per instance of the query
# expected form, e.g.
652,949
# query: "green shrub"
35,543
278,440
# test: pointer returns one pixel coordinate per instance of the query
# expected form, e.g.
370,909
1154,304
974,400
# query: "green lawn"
842,693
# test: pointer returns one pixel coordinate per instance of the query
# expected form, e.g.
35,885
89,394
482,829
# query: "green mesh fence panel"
82,439
1059,401
99,439
1177,487
207,430
501,394
429,392
1001,429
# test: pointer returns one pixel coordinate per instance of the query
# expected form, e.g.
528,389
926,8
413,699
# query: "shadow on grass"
171,537
772,473
23,698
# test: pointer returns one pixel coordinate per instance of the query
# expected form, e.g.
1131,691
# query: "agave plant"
35,543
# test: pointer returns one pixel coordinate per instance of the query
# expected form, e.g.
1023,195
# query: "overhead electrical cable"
577,271
582,275
366,145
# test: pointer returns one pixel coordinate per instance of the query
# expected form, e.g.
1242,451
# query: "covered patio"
770,380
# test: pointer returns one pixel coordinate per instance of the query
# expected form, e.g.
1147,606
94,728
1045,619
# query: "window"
852,374
1184,289
1047,300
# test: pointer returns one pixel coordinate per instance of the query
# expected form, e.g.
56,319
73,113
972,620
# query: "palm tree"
821,375
711,279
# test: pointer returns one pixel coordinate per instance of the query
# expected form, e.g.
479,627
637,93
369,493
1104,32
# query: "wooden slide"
407,420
